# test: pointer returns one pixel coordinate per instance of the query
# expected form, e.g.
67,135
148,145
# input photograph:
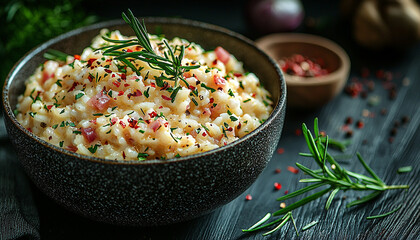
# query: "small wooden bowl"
309,92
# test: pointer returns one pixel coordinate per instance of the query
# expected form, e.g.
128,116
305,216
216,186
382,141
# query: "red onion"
268,16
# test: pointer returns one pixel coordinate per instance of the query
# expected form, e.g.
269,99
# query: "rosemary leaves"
330,178
170,63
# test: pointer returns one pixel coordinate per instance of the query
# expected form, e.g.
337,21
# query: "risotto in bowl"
133,142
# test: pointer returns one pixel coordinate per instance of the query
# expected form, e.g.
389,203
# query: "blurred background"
357,25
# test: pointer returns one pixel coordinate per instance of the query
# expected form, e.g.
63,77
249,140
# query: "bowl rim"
280,105
309,39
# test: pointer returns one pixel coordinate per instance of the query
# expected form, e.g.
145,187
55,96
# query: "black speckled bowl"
153,192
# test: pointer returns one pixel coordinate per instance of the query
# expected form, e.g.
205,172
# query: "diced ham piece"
219,81
89,134
222,55
155,125
100,101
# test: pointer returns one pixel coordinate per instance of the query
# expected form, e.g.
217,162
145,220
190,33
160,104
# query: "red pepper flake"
349,134
107,70
345,128
137,93
117,84
253,95
29,129
77,57
122,124
278,170
215,62
123,154
292,169
280,150
166,98
120,93
360,124
153,114
90,62
191,87
277,186
303,66
248,197
211,100
114,121
153,84
286,192
298,132
160,107
237,74
133,123
73,86
72,148
126,85
129,50
49,107
204,134
90,77
349,120
230,129
322,133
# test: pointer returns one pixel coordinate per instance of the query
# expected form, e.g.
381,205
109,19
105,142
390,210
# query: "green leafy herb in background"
27,23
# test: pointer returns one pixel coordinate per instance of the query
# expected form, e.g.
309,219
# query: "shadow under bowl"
154,192
309,92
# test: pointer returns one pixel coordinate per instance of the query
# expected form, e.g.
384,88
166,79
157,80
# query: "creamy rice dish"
95,105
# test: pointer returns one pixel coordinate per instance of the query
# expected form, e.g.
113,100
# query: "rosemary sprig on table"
330,175
170,63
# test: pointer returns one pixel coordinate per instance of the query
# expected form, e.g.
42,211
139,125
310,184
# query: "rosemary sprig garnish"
331,176
170,63
55,55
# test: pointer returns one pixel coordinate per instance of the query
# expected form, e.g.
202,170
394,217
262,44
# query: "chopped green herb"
231,92
77,132
146,93
72,65
208,88
194,101
130,113
109,131
174,128
142,156
79,95
177,155
110,93
93,149
405,169
32,114
113,108
61,143
233,118
229,112
205,128
385,214
62,124
71,124
249,99
240,85
226,125
266,103
54,126
58,82
311,224
97,114
62,111
141,131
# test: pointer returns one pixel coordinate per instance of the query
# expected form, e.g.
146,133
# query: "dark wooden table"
383,152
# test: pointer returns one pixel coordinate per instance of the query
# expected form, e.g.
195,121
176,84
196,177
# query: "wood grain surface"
339,222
